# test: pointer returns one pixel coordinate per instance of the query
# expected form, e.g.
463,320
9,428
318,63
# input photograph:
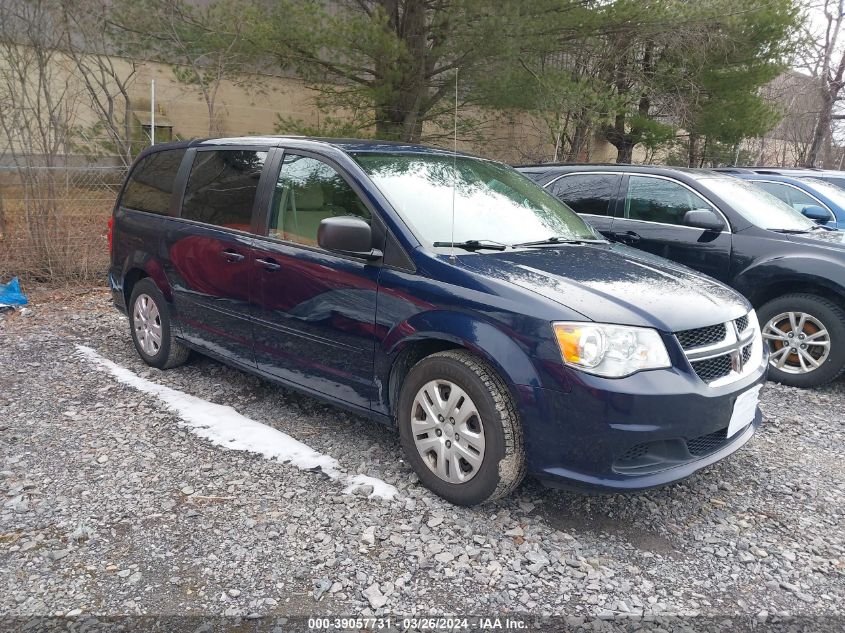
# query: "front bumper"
647,430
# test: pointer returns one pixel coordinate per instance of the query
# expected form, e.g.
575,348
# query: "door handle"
232,256
269,264
628,237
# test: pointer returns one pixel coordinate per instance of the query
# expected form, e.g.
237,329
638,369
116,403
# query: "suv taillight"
111,230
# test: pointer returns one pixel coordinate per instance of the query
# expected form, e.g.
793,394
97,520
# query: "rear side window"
150,185
222,186
588,193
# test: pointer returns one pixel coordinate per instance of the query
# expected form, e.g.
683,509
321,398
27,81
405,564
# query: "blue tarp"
11,295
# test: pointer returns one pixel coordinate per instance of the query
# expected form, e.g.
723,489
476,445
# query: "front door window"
659,200
307,192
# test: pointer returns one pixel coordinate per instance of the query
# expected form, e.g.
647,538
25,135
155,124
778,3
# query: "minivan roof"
343,144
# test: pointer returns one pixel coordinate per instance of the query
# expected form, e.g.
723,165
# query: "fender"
152,268
488,340
824,272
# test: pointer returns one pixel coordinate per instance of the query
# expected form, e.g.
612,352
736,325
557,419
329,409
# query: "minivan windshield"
757,206
493,204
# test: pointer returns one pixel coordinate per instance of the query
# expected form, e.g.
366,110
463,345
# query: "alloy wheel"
147,322
448,431
798,342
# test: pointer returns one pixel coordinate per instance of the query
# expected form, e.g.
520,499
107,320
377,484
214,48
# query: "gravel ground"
112,507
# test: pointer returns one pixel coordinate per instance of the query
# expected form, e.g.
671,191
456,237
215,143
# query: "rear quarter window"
150,185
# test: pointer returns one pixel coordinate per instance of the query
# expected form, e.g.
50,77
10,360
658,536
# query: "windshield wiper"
817,227
559,240
474,245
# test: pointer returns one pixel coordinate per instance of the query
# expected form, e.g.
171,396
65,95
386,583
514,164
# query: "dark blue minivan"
444,294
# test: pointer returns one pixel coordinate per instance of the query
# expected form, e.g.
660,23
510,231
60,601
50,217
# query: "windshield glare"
756,205
491,201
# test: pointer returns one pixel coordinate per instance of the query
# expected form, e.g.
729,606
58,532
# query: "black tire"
830,315
502,467
169,353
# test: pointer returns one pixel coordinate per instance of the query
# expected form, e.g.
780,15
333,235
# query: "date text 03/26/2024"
418,624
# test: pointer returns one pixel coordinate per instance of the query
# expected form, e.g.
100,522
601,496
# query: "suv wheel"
149,319
460,430
806,339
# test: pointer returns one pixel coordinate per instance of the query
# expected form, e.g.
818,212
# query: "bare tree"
88,40
37,110
795,96
205,42
828,64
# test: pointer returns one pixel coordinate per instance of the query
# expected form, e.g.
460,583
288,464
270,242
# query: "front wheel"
460,430
805,335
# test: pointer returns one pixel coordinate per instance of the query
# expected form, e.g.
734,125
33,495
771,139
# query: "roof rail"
733,170
775,170
530,165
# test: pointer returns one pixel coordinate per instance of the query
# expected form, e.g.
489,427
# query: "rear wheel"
149,319
460,430
805,335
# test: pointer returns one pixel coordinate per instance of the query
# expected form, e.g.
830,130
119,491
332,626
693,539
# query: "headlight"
612,351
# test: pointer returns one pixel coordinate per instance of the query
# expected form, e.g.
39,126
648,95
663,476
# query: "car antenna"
454,164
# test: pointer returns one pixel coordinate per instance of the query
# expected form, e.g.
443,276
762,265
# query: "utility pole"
153,112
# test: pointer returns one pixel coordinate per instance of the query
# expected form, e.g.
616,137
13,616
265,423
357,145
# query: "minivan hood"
613,283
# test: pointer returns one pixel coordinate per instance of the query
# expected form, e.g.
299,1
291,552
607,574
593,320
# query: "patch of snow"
380,487
227,428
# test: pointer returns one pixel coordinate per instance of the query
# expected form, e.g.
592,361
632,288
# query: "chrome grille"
702,336
720,353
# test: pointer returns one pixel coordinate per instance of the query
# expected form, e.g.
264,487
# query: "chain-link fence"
53,222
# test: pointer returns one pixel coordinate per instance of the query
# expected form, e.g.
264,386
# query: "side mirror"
347,235
816,213
703,219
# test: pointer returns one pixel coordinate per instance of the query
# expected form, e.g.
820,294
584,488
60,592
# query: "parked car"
819,200
791,269
444,294
832,176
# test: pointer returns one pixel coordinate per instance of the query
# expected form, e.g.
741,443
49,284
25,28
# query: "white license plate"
745,408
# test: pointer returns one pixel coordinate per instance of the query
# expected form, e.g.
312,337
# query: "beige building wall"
249,106
253,105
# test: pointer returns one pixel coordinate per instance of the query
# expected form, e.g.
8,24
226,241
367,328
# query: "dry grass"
55,232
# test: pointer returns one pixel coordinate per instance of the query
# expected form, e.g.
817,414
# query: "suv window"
151,183
222,186
660,200
587,193
308,191
792,196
